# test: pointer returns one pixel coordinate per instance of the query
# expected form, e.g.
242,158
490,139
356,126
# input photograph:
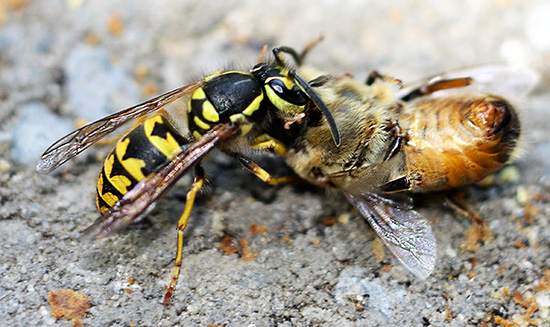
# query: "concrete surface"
61,61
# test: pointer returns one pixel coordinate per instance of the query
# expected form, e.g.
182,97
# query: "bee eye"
294,95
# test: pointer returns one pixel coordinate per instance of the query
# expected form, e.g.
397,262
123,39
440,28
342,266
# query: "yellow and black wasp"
233,111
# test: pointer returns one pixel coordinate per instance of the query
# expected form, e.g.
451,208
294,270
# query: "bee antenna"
306,88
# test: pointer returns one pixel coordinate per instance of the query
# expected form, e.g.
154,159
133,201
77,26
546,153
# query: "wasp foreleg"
254,168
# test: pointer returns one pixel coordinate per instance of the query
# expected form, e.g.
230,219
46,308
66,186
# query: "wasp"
372,141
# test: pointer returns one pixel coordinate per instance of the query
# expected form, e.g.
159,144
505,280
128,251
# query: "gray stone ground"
61,61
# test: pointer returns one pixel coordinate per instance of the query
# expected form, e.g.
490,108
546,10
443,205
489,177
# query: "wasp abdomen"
135,156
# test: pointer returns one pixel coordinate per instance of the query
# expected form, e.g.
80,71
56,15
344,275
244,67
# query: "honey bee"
372,142
442,133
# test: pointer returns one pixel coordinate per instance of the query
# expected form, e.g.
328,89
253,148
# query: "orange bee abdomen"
458,140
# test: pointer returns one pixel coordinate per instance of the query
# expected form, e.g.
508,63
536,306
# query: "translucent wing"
509,81
73,143
142,198
404,232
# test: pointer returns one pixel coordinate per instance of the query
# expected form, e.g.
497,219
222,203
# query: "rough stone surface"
305,273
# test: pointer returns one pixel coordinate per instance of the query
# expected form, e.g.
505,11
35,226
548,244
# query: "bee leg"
455,200
479,231
266,142
254,168
298,57
182,223
397,185
397,139
375,75
436,85
262,55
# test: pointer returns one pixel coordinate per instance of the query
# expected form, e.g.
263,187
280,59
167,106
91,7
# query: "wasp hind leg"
182,224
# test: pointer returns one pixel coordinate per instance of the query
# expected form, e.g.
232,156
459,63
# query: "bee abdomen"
135,156
455,141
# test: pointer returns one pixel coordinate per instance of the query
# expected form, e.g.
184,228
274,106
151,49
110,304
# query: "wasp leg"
182,223
298,57
266,142
254,168
436,85
375,75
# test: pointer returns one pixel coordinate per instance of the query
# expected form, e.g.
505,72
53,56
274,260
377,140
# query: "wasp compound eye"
292,95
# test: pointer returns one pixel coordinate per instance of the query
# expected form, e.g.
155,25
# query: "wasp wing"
79,140
142,197
404,232
510,81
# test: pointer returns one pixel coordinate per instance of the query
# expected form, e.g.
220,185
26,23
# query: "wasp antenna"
298,58
319,104
278,57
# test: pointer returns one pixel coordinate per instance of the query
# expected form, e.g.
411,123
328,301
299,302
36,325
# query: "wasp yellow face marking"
131,165
255,105
196,135
201,124
209,112
279,102
168,146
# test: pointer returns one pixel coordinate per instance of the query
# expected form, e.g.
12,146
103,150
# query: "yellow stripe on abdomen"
165,143
132,165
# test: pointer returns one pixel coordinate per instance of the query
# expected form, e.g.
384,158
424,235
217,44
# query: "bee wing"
142,198
509,81
404,232
77,141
